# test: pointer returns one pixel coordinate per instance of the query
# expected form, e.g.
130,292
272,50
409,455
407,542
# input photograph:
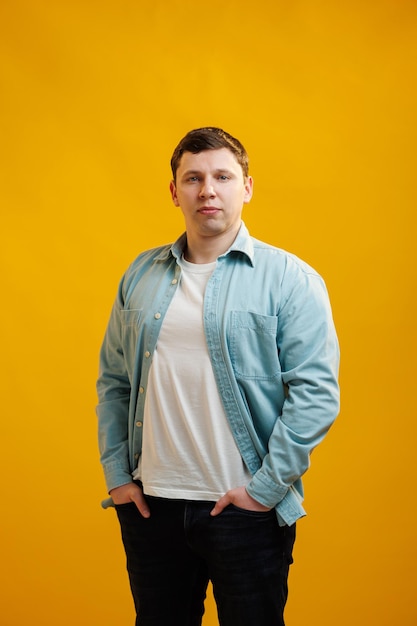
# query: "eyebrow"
218,171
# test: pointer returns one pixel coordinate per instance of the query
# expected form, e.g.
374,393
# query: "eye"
192,179
223,177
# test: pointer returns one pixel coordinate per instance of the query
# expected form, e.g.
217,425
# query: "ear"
173,191
248,189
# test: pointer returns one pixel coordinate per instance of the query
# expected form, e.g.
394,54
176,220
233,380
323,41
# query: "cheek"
181,198
185,202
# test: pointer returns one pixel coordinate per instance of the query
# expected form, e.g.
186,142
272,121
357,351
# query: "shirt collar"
243,244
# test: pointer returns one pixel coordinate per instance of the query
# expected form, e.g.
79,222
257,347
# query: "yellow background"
94,97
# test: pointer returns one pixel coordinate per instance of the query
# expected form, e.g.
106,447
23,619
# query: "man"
218,377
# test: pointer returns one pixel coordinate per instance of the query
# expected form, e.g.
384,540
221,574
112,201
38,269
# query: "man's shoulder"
274,255
166,252
152,254
151,258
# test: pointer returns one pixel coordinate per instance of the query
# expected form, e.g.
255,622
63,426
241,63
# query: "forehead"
209,160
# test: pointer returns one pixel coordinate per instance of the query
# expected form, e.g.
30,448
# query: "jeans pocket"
127,512
124,504
250,513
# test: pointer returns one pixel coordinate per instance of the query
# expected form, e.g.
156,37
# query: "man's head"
211,185
209,138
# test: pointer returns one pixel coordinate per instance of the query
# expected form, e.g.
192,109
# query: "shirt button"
141,390
139,424
174,282
137,455
157,316
147,354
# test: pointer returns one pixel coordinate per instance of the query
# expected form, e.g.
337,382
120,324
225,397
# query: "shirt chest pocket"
253,346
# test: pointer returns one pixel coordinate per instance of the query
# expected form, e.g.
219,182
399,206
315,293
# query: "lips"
208,210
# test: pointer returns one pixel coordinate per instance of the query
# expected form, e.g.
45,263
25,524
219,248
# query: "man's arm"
309,357
114,389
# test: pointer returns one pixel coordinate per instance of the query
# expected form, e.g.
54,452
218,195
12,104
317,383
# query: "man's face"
211,190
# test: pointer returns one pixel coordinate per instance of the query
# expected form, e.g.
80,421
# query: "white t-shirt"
188,449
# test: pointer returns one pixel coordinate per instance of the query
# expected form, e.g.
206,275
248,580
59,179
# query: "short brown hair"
209,138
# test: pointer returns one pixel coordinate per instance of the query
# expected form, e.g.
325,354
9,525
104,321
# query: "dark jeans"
172,555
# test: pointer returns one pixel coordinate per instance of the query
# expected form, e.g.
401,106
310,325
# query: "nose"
207,189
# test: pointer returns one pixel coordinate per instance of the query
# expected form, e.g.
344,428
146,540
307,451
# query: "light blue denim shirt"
274,352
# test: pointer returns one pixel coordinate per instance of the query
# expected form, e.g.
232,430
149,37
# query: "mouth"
208,210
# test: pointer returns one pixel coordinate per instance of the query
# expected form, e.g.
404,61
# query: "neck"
198,257
207,249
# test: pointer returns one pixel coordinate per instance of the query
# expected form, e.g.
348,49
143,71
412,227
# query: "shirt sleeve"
309,356
113,389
